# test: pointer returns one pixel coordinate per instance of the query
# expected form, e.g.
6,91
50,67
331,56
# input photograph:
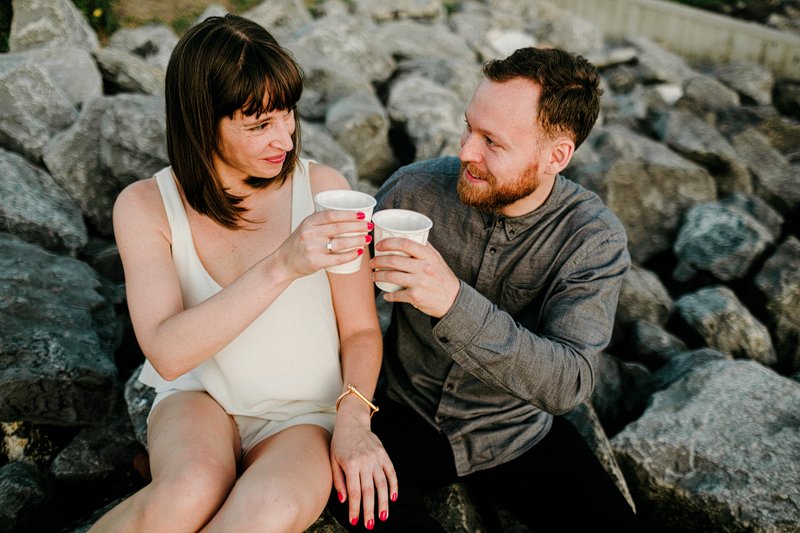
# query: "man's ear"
561,151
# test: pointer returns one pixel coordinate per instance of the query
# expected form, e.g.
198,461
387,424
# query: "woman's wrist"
353,403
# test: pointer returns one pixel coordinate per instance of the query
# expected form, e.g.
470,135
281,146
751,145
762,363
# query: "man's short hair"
570,98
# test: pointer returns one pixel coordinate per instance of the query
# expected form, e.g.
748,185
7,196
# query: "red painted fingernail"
341,497
394,497
384,516
354,521
370,523
360,251
370,225
368,238
361,216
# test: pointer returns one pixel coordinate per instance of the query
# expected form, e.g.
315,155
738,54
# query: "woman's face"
254,146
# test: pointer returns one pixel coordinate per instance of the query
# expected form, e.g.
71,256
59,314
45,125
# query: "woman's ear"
561,151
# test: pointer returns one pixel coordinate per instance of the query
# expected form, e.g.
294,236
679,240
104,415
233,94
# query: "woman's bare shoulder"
138,204
325,178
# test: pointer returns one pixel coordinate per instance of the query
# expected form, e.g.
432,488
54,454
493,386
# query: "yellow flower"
97,13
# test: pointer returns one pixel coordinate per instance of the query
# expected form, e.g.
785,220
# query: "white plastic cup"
346,200
401,223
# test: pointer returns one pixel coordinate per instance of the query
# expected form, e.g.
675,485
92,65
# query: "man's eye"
489,141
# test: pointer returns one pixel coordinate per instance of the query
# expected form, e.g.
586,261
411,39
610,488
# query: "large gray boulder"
717,451
652,345
59,332
94,164
656,64
325,84
38,23
649,187
319,145
34,107
33,206
384,10
778,282
720,239
127,72
643,297
725,324
280,17
24,492
152,43
405,39
754,82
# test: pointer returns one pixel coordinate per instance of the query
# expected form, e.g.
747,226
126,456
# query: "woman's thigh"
284,486
190,428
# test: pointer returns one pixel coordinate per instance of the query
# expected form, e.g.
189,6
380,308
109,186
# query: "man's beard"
494,196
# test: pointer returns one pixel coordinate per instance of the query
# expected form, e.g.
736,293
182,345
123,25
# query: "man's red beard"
493,196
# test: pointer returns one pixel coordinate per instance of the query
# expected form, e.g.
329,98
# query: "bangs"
262,71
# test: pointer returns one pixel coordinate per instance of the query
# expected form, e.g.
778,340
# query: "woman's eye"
259,127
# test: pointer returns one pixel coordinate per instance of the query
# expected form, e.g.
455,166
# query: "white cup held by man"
346,200
391,223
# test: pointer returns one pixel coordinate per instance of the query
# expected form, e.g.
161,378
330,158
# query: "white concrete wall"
693,33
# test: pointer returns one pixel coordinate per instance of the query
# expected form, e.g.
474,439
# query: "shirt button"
512,232
438,419
448,386
444,340
492,250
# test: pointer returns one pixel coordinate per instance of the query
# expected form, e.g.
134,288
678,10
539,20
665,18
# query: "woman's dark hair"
223,65
570,98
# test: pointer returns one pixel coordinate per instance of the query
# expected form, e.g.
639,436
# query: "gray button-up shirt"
536,305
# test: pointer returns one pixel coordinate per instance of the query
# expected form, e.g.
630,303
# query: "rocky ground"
696,408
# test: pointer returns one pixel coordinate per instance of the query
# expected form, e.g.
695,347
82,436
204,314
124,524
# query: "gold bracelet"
351,388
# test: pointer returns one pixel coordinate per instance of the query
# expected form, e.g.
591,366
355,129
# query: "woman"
249,342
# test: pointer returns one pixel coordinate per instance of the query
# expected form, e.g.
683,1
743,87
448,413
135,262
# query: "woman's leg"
194,449
285,484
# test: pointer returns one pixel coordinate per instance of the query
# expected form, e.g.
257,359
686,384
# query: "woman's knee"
282,510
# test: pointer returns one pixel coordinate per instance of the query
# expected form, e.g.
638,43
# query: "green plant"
100,15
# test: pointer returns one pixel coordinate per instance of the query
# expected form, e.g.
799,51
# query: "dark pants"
558,485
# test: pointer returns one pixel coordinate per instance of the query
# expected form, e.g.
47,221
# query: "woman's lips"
277,159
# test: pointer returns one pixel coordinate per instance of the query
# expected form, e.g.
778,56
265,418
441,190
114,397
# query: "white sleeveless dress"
284,369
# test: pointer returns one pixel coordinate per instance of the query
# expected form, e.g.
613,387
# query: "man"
505,311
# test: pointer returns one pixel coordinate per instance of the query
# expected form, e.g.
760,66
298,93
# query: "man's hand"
430,285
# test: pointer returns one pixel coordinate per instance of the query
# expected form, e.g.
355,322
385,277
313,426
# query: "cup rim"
428,221
368,199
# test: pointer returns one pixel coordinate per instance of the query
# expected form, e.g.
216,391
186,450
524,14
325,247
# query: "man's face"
502,147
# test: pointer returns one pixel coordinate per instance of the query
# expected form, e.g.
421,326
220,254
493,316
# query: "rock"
59,333
406,39
347,41
621,392
775,180
384,10
214,10
652,345
23,495
786,97
783,134
321,147
101,452
704,95
39,23
325,84
459,76
649,188
681,364
34,108
643,297
698,141
556,27
430,115
139,399
360,125
753,82
722,240
129,73
151,43
726,325
280,17
758,209
474,27
778,282
72,69
717,451
103,256
655,64
33,444
453,508
34,207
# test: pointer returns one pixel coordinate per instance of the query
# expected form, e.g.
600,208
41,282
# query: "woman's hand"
362,470
306,250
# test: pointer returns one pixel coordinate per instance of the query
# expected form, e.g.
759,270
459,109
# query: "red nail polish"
394,497
360,251
354,521
370,225
361,216
368,238
341,497
384,516
370,523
